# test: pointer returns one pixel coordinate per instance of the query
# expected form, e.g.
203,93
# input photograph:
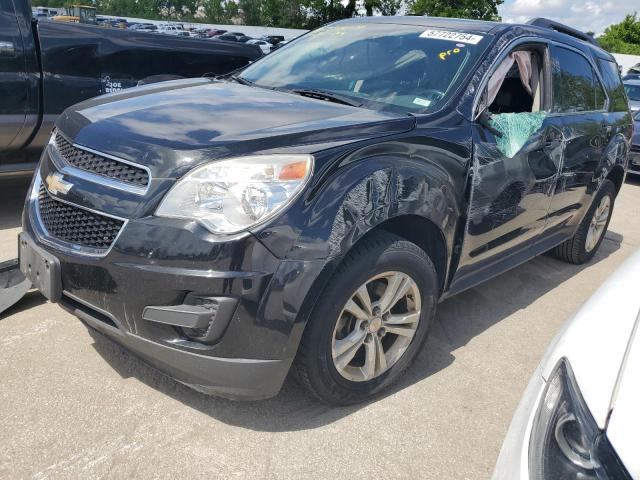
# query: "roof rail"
559,27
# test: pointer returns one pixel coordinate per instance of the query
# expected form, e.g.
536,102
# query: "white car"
171,30
264,46
579,418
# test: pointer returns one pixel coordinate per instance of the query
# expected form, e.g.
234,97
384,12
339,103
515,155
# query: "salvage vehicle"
579,416
311,210
48,66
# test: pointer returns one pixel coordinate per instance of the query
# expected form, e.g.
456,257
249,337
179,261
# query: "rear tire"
346,358
583,245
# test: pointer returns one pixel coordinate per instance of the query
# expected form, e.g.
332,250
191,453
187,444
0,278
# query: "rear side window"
613,83
576,87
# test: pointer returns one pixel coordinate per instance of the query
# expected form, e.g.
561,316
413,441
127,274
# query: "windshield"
382,66
633,92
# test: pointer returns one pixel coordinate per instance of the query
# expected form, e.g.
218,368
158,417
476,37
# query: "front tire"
370,322
585,242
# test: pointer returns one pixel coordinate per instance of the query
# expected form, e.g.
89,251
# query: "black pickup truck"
47,66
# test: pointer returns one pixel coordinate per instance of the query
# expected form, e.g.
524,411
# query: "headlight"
233,195
565,441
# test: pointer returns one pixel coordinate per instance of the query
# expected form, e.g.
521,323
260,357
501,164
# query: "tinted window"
574,83
613,83
633,92
382,66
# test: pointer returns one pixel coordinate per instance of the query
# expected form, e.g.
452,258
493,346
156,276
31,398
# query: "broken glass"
516,128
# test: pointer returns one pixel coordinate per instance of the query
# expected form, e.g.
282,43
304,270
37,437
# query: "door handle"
7,49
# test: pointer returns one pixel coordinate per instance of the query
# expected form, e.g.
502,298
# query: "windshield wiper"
241,80
328,96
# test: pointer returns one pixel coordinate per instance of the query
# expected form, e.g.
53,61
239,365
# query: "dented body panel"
437,179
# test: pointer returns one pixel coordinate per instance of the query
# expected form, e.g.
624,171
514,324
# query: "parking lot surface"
75,405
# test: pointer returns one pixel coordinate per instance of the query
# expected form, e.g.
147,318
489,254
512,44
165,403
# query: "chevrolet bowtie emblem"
56,184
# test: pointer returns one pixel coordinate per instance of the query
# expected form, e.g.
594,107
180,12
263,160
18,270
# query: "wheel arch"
426,235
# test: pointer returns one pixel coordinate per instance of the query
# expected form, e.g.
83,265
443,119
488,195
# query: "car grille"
76,225
106,167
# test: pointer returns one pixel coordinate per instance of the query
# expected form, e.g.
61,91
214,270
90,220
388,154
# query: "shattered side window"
516,129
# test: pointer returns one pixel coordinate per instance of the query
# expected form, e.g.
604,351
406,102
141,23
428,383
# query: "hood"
173,126
635,140
624,423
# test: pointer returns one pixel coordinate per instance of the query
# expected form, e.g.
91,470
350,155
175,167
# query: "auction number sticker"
453,36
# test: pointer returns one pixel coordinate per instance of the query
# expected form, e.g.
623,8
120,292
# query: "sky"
585,15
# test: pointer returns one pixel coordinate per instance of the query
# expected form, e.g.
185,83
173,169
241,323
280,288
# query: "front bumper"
165,262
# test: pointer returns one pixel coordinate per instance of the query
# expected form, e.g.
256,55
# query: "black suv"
310,211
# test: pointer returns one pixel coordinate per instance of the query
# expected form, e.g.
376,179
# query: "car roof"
480,26
485,27
632,81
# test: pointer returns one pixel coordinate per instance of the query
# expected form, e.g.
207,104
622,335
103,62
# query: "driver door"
510,194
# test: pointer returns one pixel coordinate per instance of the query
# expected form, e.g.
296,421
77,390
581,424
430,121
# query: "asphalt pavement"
75,405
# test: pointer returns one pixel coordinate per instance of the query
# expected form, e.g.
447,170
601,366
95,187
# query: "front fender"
365,191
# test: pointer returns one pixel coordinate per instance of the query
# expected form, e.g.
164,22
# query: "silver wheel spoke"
404,331
380,355
369,367
602,218
346,348
397,287
353,308
402,319
365,300
589,237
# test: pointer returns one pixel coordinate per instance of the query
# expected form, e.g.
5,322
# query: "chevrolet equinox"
309,212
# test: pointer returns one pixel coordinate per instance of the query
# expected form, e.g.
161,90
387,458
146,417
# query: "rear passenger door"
580,102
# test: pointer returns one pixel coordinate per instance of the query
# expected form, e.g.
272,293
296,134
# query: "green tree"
623,37
220,11
476,9
250,11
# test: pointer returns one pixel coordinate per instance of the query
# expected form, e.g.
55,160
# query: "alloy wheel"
376,326
598,223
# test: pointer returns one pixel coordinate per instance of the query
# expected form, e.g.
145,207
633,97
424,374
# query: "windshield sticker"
423,102
453,36
445,54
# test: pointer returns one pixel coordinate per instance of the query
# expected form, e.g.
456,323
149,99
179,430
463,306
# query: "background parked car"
264,45
172,30
273,39
60,64
579,416
280,44
231,37
632,89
